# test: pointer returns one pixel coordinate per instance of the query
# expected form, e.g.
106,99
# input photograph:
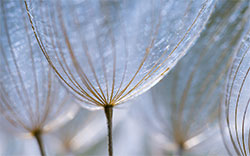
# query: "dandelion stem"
180,150
38,137
109,115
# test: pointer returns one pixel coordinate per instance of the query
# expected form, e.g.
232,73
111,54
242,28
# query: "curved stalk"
109,115
39,140
180,150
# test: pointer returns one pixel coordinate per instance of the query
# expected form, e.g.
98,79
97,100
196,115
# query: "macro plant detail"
57,55
31,98
235,110
185,116
107,52
82,133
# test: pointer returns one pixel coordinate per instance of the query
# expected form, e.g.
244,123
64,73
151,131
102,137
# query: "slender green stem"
109,115
38,137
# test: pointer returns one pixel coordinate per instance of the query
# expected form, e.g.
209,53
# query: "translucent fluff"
186,103
108,52
31,97
235,110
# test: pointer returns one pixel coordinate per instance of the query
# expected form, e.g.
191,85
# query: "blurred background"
179,116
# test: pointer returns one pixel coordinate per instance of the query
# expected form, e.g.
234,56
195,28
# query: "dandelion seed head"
31,97
185,104
107,52
235,111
